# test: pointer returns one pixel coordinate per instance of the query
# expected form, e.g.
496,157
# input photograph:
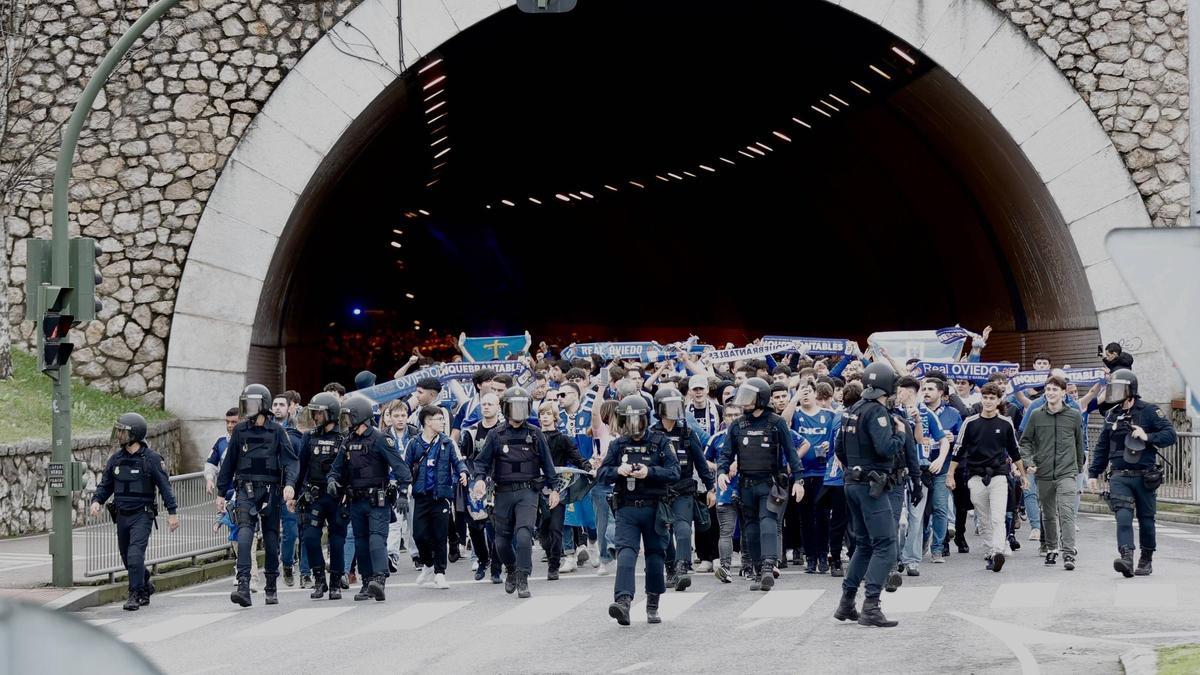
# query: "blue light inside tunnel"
357,311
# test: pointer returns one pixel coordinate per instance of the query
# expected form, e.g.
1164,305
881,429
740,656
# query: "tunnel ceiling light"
727,161
506,202
708,168
561,197
636,184
398,231
410,296
487,206
356,311
438,130
332,324
438,166
574,196
423,212
535,200
432,121
902,54
410,214
689,173
829,105
434,95
434,107
880,72
395,244
440,140
675,176
428,66
820,111
587,194
801,122
609,187
864,89
781,135
743,152
433,83
756,151
432,182
441,153
764,146
834,97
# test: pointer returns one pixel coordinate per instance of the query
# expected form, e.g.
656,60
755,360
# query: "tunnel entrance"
648,170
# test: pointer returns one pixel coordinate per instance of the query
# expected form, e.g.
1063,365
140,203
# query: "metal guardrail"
1181,478
198,533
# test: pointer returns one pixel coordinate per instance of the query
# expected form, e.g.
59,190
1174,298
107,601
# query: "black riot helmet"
515,404
754,393
254,401
879,380
633,415
321,410
1122,385
356,409
668,403
130,428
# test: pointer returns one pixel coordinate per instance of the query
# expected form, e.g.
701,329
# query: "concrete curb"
1140,661
82,598
1161,516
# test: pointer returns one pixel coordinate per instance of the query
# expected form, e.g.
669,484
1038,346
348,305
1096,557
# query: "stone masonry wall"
162,132
25,497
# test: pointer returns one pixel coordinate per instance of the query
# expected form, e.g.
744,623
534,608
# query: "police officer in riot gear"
359,473
131,476
319,447
867,446
685,443
518,460
1128,448
260,465
641,466
761,443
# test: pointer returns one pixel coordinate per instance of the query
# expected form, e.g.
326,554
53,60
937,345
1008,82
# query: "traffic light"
84,278
54,324
546,6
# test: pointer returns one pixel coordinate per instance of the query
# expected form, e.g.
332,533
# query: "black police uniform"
867,447
685,443
318,508
131,478
259,462
364,462
636,505
518,461
760,444
1127,487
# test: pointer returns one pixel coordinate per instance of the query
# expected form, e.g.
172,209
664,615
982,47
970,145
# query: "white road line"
754,624
1155,596
172,627
538,610
415,616
101,622
293,621
635,667
1148,636
1010,596
1170,530
782,604
670,606
1185,537
910,599
1029,665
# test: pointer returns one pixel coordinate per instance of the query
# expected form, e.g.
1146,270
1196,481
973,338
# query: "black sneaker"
1013,543
997,562
289,578
481,572
510,581
894,581
132,602
811,566
823,565
1051,559
1068,562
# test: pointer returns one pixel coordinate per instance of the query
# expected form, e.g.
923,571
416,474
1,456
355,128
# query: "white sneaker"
705,566
604,570
567,564
425,578
439,581
1035,535
462,551
595,555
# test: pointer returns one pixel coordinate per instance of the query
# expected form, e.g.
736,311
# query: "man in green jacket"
1052,447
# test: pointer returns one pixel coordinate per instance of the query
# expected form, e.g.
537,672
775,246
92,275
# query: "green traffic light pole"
60,448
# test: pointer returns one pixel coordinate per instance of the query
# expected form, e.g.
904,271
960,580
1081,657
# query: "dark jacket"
1053,442
562,450
147,461
1110,449
445,457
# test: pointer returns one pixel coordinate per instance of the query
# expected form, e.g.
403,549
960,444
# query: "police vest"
518,459
133,478
322,451
677,438
860,450
758,451
368,467
636,488
258,460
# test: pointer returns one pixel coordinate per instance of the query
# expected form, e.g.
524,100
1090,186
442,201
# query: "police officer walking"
1128,447
685,443
868,445
514,456
318,448
260,465
641,467
760,442
131,476
362,467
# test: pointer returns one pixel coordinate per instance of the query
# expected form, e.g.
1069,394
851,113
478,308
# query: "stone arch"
287,146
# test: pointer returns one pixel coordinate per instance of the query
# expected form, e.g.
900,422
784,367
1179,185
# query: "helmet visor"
634,423
311,418
252,405
746,397
121,434
1119,389
516,409
671,408
346,420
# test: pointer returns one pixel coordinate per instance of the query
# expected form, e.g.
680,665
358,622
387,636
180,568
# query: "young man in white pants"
986,442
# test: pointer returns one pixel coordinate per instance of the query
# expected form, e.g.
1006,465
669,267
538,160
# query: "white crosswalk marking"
18,561
415,616
670,606
1185,537
173,626
1155,596
538,610
1010,596
293,621
909,599
101,622
782,604
1169,530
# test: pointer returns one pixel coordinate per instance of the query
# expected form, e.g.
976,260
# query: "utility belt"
618,501
114,511
986,473
880,481
376,496
249,487
1128,472
513,487
751,481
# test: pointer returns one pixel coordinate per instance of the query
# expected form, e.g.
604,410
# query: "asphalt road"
955,617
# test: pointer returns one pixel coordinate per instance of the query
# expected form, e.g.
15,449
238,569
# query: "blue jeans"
291,532
1031,504
914,541
606,525
940,518
348,553
895,497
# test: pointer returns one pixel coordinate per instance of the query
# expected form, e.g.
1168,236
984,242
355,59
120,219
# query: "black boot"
811,566
873,616
551,571
682,578
148,589
132,603
1143,567
619,610
961,542
289,578
362,594
375,587
272,596
319,585
767,581
510,580
822,564
652,608
845,610
143,596
1124,564
241,595
522,585
335,588
756,577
